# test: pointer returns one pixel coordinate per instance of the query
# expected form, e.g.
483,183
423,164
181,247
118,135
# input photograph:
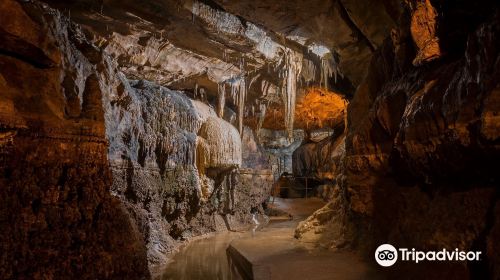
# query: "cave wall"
114,173
422,147
320,160
278,147
175,166
58,219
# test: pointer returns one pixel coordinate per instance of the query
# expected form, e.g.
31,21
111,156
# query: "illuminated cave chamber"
128,128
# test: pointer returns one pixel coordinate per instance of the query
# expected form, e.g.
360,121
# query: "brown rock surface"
57,217
78,98
320,160
421,148
421,159
424,32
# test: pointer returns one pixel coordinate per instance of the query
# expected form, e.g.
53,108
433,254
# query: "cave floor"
203,258
273,252
270,253
297,208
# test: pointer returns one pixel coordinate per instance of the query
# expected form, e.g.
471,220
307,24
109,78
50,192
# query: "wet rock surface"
319,160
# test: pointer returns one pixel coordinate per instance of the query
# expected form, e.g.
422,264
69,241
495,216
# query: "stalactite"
235,89
225,55
253,79
309,71
291,74
326,73
241,104
265,87
329,68
238,96
262,117
221,99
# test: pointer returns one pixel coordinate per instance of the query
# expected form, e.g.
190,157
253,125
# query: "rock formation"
58,218
421,146
129,127
169,159
174,165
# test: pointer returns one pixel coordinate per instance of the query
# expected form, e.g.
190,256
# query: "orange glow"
319,108
316,108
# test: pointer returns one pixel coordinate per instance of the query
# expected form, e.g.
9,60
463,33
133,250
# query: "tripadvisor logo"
387,255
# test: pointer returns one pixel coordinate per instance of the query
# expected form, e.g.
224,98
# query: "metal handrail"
275,190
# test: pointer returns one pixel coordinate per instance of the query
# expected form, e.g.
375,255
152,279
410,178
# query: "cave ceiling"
208,45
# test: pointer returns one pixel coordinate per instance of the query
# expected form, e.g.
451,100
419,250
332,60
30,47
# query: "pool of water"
204,259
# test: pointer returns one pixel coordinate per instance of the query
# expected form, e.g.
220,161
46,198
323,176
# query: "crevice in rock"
26,59
17,48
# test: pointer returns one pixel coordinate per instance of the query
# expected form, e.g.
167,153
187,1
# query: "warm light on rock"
320,108
274,139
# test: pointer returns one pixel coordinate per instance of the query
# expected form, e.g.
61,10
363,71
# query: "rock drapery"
175,166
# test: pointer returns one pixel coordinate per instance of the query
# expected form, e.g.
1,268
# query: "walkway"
274,253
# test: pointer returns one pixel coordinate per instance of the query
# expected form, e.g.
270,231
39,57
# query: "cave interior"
136,135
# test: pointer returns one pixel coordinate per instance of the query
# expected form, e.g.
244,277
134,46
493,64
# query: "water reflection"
204,259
